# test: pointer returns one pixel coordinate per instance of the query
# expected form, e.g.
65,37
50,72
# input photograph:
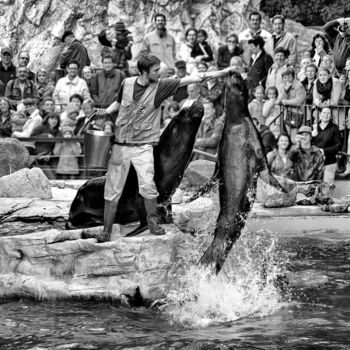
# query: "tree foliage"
310,12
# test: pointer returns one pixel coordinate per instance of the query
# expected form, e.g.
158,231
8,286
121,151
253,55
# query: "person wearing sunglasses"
226,52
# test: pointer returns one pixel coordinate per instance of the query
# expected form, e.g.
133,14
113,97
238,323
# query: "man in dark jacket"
7,68
74,51
260,63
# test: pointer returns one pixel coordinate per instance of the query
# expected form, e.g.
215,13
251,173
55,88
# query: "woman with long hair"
320,47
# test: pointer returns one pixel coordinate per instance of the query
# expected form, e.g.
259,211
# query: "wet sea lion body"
241,159
171,157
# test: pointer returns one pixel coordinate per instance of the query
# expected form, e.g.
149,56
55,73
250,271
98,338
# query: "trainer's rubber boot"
152,218
110,212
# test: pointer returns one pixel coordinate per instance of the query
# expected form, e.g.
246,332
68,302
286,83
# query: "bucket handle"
93,115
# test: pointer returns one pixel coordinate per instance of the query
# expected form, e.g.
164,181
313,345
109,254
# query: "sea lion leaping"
241,160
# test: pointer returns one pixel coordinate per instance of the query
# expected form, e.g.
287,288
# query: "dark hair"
280,49
48,98
272,88
281,17
312,65
289,70
145,62
203,32
287,136
107,55
52,115
190,29
159,15
232,35
78,96
257,41
326,45
74,62
254,13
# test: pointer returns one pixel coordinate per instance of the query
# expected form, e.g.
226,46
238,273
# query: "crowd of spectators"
298,100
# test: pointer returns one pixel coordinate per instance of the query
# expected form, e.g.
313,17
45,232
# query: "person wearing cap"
74,51
308,160
260,63
21,88
7,68
118,45
180,71
160,43
282,38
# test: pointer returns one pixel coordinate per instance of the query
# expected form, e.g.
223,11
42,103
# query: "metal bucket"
97,148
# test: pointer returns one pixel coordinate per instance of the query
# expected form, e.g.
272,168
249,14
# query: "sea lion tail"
268,178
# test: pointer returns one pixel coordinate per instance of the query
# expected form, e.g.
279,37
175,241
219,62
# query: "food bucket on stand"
97,146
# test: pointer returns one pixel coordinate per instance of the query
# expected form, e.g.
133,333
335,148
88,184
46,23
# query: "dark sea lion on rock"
171,157
241,159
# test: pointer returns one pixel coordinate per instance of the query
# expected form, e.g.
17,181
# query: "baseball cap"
6,49
306,129
180,64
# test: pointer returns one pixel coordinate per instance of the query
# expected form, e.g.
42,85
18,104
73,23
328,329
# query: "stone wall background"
37,25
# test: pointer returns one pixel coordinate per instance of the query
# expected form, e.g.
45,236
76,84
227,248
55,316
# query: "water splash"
245,287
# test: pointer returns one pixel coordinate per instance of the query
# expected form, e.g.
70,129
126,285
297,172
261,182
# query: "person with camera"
117,44
339,33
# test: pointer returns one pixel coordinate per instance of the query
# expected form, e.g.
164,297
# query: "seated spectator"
268,140
74,51
255,107
292,95
23,60
33,121
106,83
133,71
117,45
320,47
193,91
308,160
271,110
69,85
226,52
42,84
68,152
184,54
326,136
274,75
328,63
302,71
21,88
201,50
180,71
278,159
87,75
282,38
75,103
49,127
47,106
260,63
5,118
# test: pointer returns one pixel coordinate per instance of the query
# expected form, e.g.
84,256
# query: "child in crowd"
271,108
67,151
201,50
255,107
70,115
302,72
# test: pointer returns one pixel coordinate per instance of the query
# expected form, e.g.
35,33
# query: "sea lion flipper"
268,178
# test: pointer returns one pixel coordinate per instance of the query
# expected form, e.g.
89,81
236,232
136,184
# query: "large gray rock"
13,156
199,171
27,183
59,265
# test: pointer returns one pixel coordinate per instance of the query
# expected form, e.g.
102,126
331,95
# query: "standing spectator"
271,109
106,83
42,84
118,46
201,50
326,136
23,61
260,63
309,85
74,51
33,121
87,75
21,88
319,48
160,43
278,159
255,107
253,31
281,38
5,118
339,32
268,140
180,70
67,151
226,52
69,85
308,160
280,62
186,47
7,68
